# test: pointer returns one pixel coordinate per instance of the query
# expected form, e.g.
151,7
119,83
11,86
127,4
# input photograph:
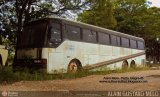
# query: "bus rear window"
33,35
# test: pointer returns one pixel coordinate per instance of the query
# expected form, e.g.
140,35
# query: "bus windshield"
34,35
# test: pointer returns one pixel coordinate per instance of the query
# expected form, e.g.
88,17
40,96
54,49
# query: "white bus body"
88,53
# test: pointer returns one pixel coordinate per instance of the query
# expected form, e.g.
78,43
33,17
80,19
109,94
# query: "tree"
128,14
100,14
15,13
152,36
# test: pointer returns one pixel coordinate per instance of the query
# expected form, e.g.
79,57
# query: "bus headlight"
37,61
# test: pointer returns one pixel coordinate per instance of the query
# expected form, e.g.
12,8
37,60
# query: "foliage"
100,14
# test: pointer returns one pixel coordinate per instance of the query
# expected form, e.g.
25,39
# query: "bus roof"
92,27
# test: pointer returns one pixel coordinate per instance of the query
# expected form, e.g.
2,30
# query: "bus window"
103,38
73,32
89,36
118,41
140,45
125,42
113,40
33,35
54,34
133,44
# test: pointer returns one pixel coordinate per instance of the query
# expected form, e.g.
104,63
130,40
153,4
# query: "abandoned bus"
61,45
3,54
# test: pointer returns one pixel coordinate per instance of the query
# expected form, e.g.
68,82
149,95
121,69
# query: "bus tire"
133,64
125,64
1,63
74,66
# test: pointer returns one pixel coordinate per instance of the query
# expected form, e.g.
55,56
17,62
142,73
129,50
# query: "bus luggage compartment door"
56,63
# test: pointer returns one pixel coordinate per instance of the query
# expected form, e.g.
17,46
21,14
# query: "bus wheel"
125,64
1,65
133,64
74,66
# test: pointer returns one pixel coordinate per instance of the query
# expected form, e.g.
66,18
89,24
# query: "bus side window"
54,34
125,42
113,40
140,45
73,32
133,44
118,41
89,36
104,38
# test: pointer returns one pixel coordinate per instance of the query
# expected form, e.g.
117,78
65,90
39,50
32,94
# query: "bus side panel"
56,63
60,57
115,52
105,50
85,52
140,60
88,54
56,59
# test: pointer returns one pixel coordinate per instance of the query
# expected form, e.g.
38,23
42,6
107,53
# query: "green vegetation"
101,14
8,76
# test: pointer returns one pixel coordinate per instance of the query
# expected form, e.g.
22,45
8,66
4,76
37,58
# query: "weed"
8,76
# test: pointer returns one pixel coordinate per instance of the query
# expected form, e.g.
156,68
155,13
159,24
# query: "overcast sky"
155,3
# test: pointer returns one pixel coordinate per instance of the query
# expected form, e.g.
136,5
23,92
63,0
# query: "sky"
155,3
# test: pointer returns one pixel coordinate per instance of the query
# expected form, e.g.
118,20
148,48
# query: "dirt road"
139,80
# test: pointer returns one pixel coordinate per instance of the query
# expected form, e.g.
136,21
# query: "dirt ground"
150,80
